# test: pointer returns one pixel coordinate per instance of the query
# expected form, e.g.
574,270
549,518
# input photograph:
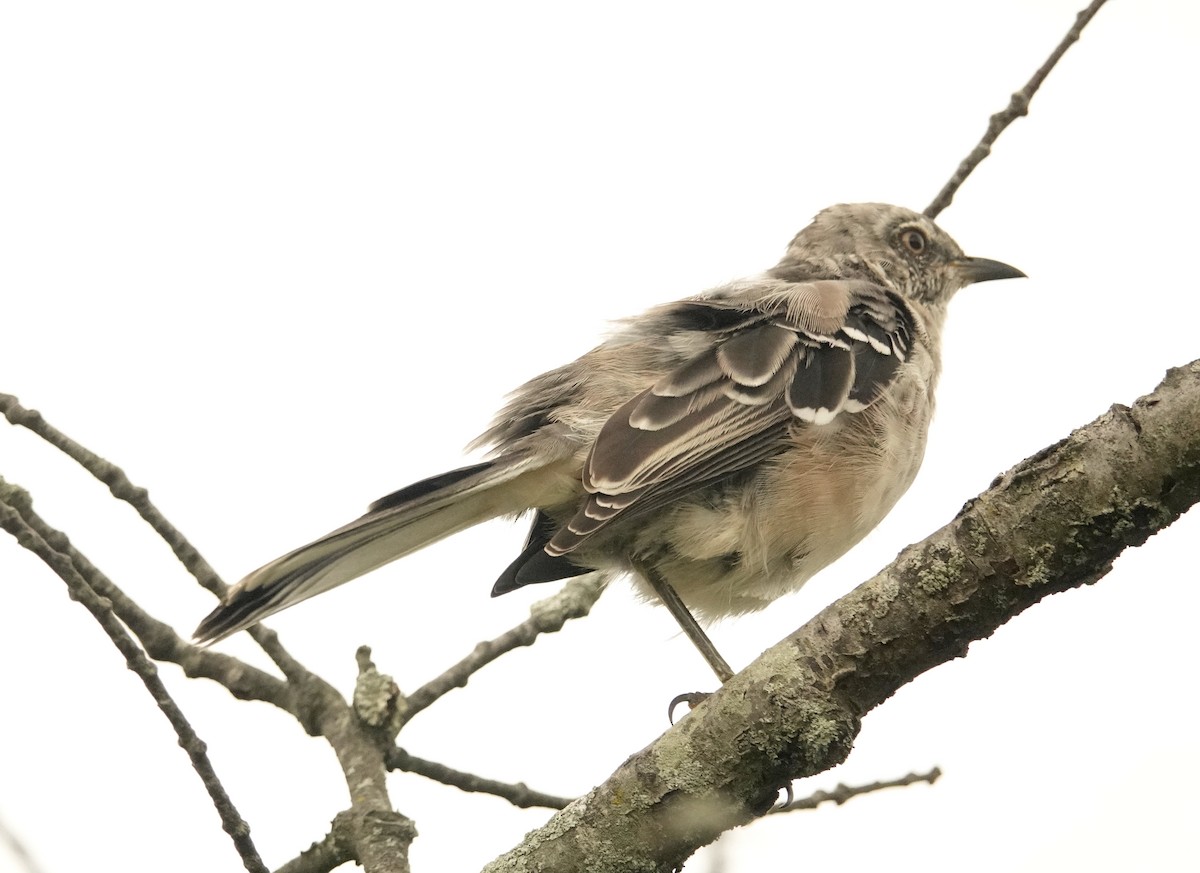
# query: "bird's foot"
691,698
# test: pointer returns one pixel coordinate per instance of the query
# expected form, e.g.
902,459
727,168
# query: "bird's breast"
736,546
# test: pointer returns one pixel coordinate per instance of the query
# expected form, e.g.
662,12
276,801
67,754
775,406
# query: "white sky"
278,259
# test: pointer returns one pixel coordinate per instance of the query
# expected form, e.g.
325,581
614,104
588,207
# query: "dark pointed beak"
984,270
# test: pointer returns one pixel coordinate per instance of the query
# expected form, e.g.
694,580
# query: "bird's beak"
972,270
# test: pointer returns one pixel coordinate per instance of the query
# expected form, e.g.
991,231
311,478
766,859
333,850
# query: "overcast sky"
279,259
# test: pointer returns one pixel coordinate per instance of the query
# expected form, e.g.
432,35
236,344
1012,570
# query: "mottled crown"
888,244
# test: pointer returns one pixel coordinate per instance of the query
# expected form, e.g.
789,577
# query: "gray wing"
805,355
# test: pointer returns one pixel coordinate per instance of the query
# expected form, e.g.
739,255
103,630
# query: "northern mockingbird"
721,449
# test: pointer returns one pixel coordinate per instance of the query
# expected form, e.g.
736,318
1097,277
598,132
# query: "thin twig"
120,486
842,793
1017,106
136,660
158,638
574,600
518,794
379,835
139,498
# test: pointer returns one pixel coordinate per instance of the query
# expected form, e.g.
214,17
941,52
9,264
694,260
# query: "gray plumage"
735,442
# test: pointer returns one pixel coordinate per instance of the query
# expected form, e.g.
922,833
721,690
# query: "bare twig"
1017,106
12,497
518,794
380,836
158,638
574,600
842,793
121,488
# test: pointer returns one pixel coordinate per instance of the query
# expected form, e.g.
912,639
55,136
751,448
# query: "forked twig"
139,498
159,639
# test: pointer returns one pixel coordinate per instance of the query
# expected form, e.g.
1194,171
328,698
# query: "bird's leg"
687,622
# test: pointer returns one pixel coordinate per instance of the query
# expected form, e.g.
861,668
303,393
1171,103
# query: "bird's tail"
394,526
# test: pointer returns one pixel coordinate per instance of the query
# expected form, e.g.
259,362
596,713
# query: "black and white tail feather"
393,527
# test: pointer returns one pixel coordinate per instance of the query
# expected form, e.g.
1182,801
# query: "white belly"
735,550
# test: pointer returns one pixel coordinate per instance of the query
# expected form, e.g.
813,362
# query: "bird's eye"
914,240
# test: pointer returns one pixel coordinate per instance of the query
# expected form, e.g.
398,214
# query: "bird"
720,450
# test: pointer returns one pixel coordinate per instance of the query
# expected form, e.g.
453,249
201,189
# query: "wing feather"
802,358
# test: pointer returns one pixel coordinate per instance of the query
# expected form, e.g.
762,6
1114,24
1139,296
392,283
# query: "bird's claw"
691,698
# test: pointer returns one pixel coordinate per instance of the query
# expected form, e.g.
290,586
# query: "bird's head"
894,246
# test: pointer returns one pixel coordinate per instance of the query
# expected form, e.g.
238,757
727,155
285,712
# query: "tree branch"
379,836
120,486
518,794
139,498
574,600
14,502
234,672
158,638
1017,106
1056,521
